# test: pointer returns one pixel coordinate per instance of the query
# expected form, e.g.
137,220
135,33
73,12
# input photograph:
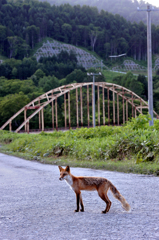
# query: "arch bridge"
119,93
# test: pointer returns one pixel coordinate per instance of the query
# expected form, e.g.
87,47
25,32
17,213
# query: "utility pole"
94,74
149,61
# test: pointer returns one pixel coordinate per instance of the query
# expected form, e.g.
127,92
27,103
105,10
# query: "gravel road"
35,205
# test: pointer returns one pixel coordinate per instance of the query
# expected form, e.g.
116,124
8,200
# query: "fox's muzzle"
60,178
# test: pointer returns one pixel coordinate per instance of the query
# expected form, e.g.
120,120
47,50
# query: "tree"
39,74
67,32
93,36
130,82
143,80
48,83
14,73
10,104
14,44
32,34
122,45
76,76
3,31
107,49
50,28
23,50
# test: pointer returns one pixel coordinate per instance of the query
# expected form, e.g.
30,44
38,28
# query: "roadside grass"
133,147
127,166
109,75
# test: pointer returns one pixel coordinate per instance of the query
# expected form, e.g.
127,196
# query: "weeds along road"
34,204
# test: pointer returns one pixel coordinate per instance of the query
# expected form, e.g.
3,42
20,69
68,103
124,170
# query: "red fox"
102,185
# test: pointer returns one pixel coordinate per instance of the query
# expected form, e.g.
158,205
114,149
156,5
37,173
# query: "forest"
125,8
24,24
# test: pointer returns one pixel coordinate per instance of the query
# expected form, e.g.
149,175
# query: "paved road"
35,205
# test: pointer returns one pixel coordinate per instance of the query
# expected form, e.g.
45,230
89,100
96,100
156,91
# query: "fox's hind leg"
81,203
105,198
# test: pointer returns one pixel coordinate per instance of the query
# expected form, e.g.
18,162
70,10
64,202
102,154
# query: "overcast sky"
153,2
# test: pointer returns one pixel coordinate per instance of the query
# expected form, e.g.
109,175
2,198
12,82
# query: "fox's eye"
64,174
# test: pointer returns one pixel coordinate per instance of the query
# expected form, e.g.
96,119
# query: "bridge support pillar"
141,105
123,109
53,115
27,127
108,106
88,104
81,106
42,118
69,111
135,112
25,116
56,115
123,112
132,105
113,106
98,107
10,126
77,107
103,106
118,109
65,111
126,110
39,117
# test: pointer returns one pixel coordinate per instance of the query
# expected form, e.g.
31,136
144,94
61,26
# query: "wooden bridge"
118,93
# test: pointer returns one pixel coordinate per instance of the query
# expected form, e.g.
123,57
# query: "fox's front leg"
79,201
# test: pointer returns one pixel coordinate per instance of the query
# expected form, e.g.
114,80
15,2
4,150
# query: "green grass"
127,166
109,75
131,148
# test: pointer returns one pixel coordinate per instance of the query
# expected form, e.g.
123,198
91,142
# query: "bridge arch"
38,104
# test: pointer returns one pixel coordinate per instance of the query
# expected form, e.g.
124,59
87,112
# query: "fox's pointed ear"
67,169
60,168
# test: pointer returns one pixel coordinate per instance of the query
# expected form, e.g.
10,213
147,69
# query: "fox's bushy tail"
118,196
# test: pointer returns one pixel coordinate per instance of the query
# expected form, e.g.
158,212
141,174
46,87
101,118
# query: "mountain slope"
84,58
125,8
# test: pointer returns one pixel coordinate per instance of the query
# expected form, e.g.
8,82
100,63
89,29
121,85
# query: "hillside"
125,8
87,59
53,48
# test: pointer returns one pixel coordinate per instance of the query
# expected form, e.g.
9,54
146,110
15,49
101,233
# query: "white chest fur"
69,181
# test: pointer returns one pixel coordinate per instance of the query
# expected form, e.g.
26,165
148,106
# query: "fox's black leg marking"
81,203
77,201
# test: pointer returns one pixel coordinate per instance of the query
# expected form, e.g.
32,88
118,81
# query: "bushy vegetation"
136,140
60,66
